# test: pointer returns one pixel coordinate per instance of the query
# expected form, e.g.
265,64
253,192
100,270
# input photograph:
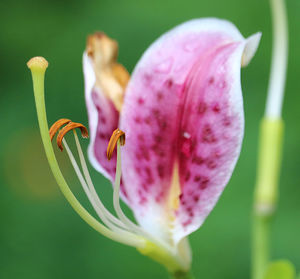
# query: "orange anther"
117,135
70,126
56,126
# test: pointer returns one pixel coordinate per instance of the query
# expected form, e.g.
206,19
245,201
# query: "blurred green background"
40,235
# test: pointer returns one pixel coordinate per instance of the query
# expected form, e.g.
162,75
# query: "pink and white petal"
166,127
212,130
103,120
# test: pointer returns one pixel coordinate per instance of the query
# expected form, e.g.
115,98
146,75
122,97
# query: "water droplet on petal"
165,66
186,135
191,45
222,84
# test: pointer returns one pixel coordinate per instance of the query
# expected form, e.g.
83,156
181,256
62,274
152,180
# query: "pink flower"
182,113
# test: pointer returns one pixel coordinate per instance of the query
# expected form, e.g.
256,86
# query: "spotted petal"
183,119
105,81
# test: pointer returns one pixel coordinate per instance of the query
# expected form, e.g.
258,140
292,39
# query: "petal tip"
251,47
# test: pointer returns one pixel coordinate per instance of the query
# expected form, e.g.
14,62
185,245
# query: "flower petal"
250,48
183,119
105,82
103,120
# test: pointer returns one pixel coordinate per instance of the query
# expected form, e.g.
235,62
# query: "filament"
91,185
116,199
85,187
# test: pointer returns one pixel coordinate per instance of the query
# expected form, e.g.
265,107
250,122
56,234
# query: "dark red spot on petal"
145,187
147,120
147,78
186,223
191,214
226,121
162,124
189,209
142,200
201,108
169,83
158,138
216,108
157,150
102,136
137,155
98,108
138,120
207,134
141,101
159,96
160,196
187,176
197,178
217,154
203,183
211,164
211,80
156,112
198,160
149,179
145,153
102,120
161,171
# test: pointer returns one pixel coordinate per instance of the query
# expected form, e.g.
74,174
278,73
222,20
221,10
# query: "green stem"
181,275
266,192
261,243
270,145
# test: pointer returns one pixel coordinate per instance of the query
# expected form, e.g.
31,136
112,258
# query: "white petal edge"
251,46
89,82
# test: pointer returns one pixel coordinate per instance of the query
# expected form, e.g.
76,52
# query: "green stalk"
260,245
266,192
181,275
270,145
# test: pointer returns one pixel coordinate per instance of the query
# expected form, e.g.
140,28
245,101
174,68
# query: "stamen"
88,179
67,128
117,135
38,67
118,138
91,197
57,125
